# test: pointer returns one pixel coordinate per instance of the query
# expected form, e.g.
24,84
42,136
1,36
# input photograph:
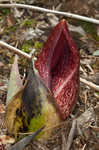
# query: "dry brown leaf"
2,109
12,120
6,139
10,20
1,64
94,128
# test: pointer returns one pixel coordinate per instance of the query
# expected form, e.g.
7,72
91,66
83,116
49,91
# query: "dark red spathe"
58,65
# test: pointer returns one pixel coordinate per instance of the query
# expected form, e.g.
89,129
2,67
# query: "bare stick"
84,147
71,15
90,84
15,50
63,141
71,135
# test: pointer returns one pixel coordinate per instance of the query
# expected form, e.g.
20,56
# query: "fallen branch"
21,53
15,50
63,141
71,135
71,15
90,84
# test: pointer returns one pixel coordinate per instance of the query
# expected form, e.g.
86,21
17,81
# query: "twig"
71,15
90,84
85,93
63,141
84,147
82,70
3,88
89,56
15,50
71,135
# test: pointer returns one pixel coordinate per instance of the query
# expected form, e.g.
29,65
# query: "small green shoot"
6,11
38,45
26,47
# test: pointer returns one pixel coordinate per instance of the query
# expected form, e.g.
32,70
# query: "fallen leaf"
1,64
31,33
5,139
2,108
18,13
10,20
86,118
77,29
52,19
94,128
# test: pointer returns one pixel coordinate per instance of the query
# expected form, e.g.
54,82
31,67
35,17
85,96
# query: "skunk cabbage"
58,66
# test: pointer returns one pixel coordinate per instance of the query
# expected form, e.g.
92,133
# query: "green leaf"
38,45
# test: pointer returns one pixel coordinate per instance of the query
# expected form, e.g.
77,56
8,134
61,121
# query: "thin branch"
71,135
15,50
63,141
84,147
90,84
71,15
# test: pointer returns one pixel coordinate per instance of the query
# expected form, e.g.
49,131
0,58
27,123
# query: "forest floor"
27,30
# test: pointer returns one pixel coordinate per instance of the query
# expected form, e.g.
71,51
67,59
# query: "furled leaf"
39,104
32,107
15,82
